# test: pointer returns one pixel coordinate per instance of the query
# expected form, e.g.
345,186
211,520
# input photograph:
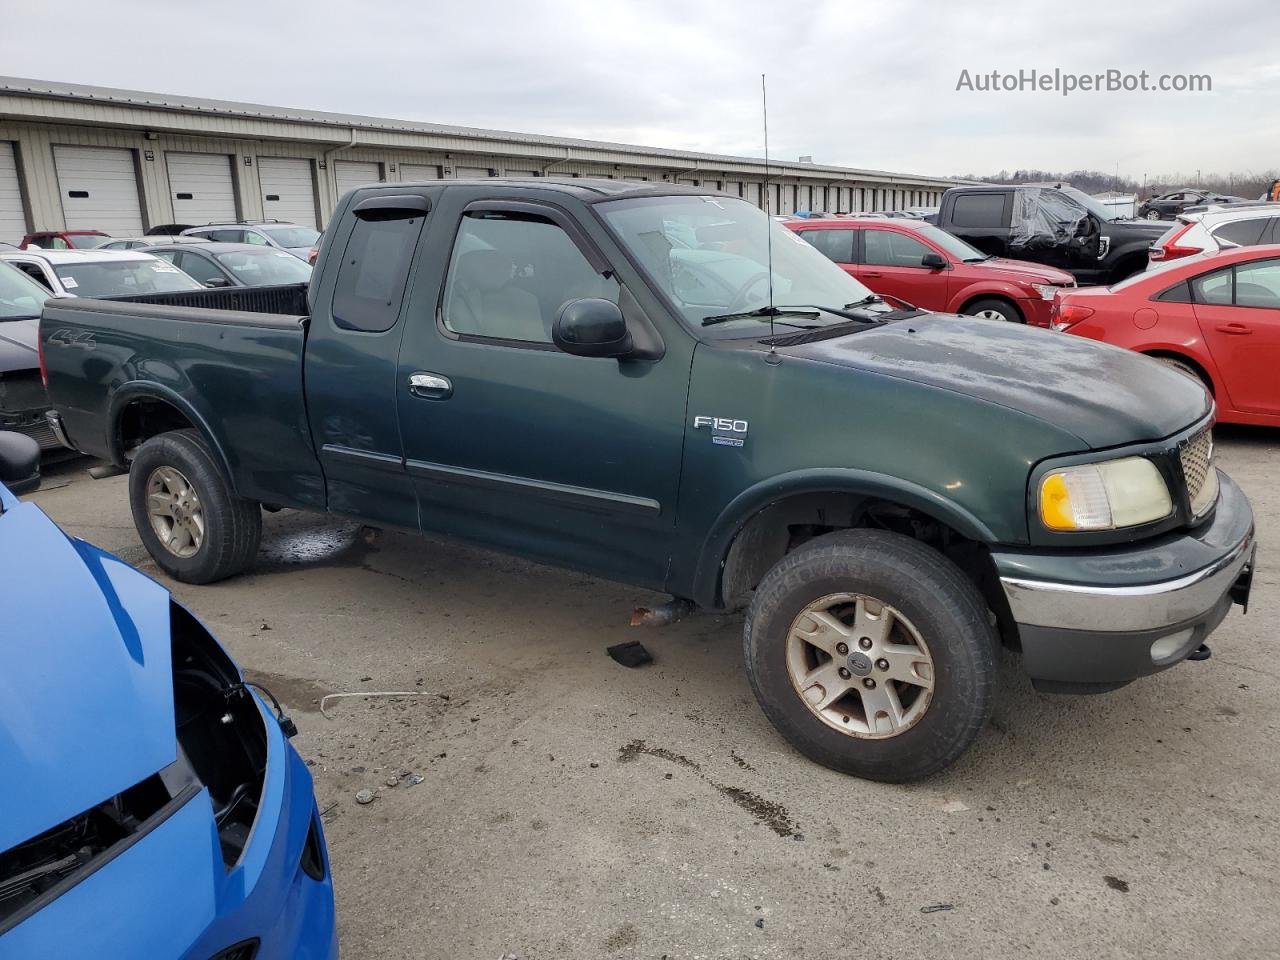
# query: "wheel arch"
1203,372
140,411
973,294
760,525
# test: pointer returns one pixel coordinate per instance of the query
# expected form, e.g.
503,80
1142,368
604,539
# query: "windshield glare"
293,236
20,296
263,267
121,278
710,255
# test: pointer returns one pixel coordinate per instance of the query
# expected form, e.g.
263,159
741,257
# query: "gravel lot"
572,808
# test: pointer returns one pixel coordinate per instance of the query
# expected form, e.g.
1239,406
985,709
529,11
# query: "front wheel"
993,309
189,518
1153,214
872,654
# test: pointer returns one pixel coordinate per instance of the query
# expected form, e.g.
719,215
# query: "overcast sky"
867,83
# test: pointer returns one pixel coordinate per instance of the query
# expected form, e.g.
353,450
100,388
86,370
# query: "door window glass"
837,245
375,267
1242,233
510,274
197,267
255,238
1258,284
978,210
889,249
226,236
35,273
1213,288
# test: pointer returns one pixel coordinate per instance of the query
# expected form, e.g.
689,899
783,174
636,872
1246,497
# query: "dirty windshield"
710,255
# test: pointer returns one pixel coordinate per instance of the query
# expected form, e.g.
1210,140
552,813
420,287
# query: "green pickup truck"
663,387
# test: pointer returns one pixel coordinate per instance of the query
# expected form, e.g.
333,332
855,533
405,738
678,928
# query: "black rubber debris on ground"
1115,883
630,654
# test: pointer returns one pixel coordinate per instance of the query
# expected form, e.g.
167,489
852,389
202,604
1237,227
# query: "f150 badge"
725,431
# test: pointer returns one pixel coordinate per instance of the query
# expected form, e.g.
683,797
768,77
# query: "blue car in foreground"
151,805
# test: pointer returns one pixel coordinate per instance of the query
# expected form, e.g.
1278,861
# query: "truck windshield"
20,296
1089,203
710,255
122,278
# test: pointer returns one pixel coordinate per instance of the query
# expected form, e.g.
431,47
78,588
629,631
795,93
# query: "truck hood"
1104,395
18,345
1134,229
86,687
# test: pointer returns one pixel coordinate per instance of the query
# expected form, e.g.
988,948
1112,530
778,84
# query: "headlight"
1046,290
1104,496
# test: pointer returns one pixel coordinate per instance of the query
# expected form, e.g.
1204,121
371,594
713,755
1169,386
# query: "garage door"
351,174
13,222
288,190
752,193
472,173
419,171
201,188
99,188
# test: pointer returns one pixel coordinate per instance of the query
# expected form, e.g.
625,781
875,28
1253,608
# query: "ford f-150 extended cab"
663,387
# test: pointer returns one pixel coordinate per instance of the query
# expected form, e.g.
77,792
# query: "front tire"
993,309
187,514
872,654
1153,215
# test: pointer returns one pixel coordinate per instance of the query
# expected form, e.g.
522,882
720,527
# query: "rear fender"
144,390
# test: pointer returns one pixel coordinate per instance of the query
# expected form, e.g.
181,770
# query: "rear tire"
994,309
1186,370
189,518
934,614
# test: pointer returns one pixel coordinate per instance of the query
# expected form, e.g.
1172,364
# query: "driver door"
510,441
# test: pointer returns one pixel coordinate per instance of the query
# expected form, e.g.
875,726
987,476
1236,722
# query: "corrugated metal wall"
37,203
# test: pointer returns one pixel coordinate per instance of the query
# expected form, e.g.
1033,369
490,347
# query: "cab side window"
510,274
886,248
978,210
374,269
836,245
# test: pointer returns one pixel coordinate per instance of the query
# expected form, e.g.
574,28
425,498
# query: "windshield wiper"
978,259
761,313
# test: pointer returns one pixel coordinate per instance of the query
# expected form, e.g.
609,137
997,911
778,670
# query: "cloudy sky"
868,83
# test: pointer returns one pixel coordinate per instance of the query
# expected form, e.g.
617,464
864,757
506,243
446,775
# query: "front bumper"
1097,619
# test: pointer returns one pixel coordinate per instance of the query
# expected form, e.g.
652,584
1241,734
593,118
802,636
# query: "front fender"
986,288
826,480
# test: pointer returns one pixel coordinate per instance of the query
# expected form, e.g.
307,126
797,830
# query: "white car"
99,273
1213,230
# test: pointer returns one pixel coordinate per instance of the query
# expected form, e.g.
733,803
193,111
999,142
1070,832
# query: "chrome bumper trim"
59,432
1147,606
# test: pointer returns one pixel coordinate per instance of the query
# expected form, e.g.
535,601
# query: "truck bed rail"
288,299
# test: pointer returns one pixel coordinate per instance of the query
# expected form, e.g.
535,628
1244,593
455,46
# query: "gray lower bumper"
1102,618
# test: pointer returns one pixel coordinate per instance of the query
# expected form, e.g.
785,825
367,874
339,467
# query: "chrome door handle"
430,386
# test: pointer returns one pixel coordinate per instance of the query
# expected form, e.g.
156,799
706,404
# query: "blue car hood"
86,687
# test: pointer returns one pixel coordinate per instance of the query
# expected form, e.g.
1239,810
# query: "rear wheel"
872,654
190,520
1153,214
1185,369
993,309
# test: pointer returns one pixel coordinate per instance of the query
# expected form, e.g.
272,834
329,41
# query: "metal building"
74,157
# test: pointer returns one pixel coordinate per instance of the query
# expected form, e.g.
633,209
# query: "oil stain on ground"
293,692
765,812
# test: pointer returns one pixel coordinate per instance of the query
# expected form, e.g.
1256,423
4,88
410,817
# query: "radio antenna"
768,205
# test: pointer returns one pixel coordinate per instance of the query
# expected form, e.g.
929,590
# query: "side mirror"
19,462
933,261
592,328
217,282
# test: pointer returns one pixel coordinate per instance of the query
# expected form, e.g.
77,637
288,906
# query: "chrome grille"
1198,472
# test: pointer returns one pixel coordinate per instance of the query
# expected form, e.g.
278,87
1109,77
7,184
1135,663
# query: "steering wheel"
740,298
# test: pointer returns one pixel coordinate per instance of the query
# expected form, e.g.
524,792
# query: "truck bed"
233,372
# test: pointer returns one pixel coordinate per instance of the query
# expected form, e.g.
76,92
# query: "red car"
65,239
915,261
1215,316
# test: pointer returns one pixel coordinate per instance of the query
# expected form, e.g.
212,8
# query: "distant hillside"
1248,185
